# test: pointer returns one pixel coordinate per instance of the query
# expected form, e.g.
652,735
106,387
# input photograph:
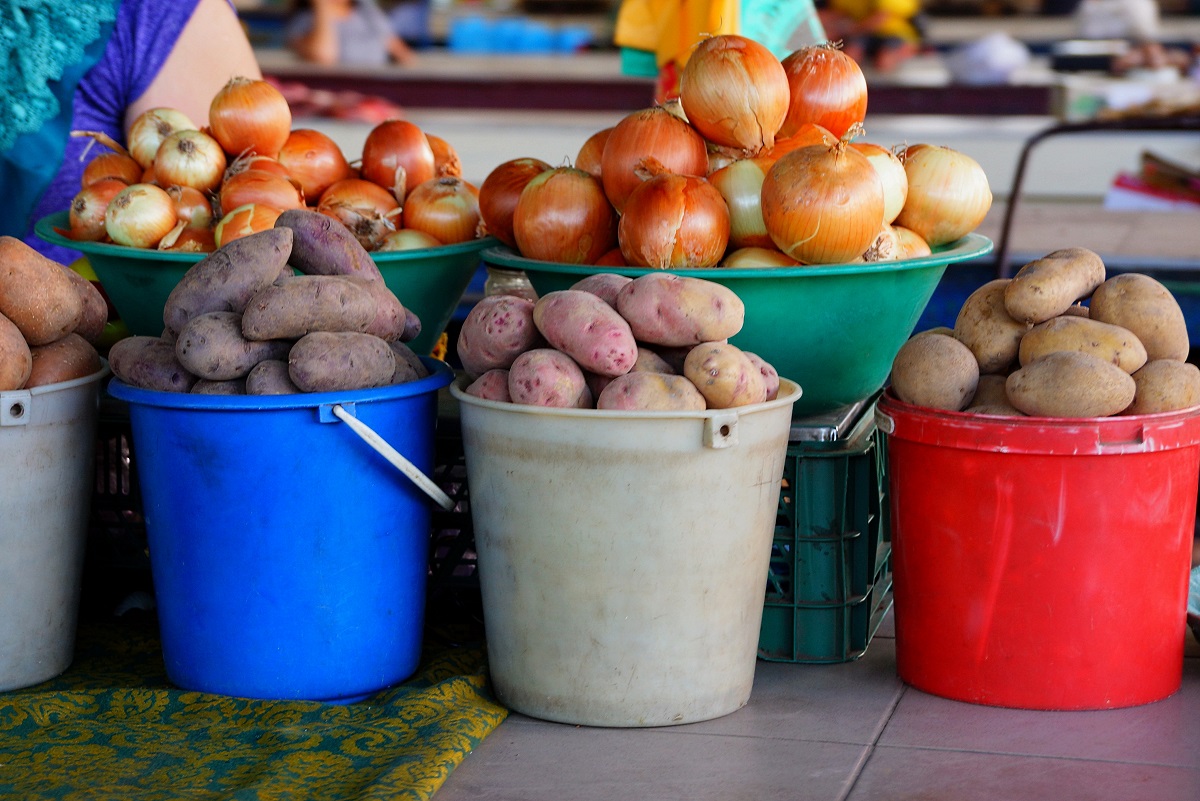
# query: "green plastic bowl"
429,281
833,329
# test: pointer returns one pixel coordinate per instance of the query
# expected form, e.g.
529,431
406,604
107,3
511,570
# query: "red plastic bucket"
1041,563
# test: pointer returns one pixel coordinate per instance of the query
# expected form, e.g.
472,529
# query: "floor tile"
527,760
1163,733
907,773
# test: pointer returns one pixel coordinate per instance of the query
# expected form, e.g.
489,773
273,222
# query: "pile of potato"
50,319
1058,339
653,343
241,321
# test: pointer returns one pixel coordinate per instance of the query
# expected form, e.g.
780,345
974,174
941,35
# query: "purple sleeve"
143,36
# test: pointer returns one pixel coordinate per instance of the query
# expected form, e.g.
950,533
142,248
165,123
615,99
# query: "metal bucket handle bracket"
721,430
332,412
15,407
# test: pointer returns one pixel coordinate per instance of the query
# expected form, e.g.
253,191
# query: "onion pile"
761,162
181,186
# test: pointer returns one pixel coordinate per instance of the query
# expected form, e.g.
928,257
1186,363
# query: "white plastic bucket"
47,439
623,555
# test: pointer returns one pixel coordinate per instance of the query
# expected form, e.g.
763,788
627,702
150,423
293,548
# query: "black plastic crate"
829,582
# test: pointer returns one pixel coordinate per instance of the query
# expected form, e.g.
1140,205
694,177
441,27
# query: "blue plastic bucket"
289,557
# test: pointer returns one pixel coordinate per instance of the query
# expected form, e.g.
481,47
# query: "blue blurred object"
472,34
573,38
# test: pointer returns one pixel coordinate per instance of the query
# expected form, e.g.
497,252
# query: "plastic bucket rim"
69,384
458,387
971,246
441,374
888,398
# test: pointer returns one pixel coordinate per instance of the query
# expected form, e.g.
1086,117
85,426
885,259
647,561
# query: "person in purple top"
96,65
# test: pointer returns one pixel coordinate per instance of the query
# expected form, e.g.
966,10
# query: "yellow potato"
936,371
1148,309
1070,383
985,326
725,376
1165,385
1068,332
1047,287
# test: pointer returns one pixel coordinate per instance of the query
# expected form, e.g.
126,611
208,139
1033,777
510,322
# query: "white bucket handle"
424,482
15,407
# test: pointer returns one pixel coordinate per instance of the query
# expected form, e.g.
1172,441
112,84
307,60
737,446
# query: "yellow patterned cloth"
112,727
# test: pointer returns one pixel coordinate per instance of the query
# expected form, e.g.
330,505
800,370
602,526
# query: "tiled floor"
852,732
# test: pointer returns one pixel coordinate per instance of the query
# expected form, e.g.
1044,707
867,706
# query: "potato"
1148,309
648,361
211,346
16,360
1047,287
587,329
300,304
548,377
1165,385
497,330
412,326
985,326
1068,332
769,373
334,361
1069,383
63,360
1078,310
408,364
725,375
95,308
643,391
227,278
149,363
605,286
667,309
391,318
234,386
940,329
492,385
324,246
991,398
935,371
35,294
270,377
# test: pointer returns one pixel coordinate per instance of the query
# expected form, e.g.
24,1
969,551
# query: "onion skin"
397,156
112,165
366,208
499,193
87,211
152,126
891,173
912,246
674,222
827,88
754,257
139,216
243,221
563,216
250,115
823,205
445,157
735,92
407,239
192,207
588,158
653,133
313,160
808,133
740,184
190,158
948,194
446,208
261,187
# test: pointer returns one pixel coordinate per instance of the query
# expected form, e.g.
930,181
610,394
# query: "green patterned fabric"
112,727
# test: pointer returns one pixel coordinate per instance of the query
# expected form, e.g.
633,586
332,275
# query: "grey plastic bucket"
47,441
623,555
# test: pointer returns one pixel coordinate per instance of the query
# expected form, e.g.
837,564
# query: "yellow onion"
823,205
446,208
445,157
891,173
735,92
564,216
261,187
499,193
588,158
366,208
86,213
192,207
808,133
250,115
150,128
120,166
407,239
912,246
827,88
189,240
139,216
253,161
948,193
653,133
243,221
740,183
886,246
755,256
313,160
397,156
674,222
190,158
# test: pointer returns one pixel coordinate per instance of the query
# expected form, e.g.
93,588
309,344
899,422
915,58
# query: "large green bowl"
429,281
833,329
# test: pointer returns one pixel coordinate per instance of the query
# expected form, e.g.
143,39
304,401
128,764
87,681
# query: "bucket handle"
15,407
368,434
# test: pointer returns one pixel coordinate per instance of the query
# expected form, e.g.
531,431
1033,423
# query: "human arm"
319,44
211,49
400,52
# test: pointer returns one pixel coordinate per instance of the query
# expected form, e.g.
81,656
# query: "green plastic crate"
829,582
